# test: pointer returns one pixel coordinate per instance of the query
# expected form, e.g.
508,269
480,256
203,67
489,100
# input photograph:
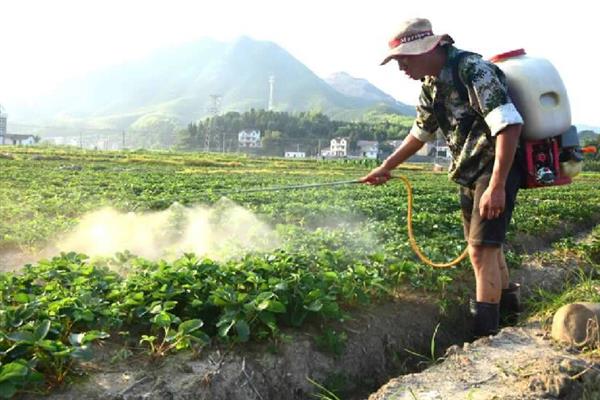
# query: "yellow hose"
411,235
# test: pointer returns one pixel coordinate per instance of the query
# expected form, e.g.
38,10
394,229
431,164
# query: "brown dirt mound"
518,363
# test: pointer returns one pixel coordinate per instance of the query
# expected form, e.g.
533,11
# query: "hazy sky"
46,42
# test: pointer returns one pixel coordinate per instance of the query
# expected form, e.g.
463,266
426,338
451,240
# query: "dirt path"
518,363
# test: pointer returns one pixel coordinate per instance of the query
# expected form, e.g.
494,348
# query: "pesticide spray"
221,231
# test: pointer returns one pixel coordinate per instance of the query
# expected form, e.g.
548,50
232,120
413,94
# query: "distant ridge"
174,86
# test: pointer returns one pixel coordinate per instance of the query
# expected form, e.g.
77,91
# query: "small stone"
453,350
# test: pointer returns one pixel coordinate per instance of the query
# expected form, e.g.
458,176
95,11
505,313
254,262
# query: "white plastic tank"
538,93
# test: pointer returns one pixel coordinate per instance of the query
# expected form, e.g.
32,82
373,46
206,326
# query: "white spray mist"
221,231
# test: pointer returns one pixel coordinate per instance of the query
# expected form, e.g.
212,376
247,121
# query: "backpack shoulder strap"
460,85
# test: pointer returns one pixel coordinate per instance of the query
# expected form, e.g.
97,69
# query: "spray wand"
411,236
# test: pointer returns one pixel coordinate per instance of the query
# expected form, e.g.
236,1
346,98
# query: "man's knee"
482,255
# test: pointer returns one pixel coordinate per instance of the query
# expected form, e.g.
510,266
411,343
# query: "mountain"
363,89
174,86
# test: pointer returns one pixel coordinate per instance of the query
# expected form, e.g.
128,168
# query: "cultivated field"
219,264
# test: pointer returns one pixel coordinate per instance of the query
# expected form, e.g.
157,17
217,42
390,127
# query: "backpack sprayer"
551,151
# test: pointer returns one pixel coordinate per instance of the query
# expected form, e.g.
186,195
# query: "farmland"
337,248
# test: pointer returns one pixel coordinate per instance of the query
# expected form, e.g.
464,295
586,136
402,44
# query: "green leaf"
162,319
315,306
12,371
21,336
243,330
224,326
21,298
84,315
197,303
94,335
190,326
200,337
41,330
276,307
263,305
50,345
156,309
7,390
330,275
268,319
147,338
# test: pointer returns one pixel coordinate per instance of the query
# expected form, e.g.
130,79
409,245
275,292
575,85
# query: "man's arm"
493,199
382,173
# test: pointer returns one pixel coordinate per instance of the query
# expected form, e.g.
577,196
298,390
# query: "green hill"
175,85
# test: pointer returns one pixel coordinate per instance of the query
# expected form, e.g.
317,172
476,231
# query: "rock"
577,324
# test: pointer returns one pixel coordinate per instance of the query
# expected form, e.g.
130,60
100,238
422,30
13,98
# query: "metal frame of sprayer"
544,159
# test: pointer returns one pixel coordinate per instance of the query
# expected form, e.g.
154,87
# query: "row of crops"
340,247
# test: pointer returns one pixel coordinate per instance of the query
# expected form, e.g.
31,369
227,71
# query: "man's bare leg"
503,268
488,276
488,279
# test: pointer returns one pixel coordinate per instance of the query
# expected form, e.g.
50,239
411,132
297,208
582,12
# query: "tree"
273,143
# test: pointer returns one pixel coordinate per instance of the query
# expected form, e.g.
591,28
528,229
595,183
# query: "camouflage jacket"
469,121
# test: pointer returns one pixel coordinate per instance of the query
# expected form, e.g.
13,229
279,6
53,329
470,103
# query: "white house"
442,151
64,140
338,147
295,154
21,140
368,148
249,138
394,143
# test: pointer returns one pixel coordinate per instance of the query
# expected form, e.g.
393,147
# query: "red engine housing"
542,160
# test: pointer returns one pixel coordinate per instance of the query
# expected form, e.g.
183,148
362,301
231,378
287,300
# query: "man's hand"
377,176
492,202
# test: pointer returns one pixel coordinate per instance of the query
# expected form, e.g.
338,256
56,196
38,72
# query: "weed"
324,393
431,359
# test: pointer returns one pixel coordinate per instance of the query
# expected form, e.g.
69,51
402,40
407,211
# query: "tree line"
283,131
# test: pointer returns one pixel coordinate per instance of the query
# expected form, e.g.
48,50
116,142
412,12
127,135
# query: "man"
465,98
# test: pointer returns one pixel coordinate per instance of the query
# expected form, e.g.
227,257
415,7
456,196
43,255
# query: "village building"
12,139
367,149
295,154
19,140
249,138
338,147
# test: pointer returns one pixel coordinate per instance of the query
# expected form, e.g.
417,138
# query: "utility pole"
319,149
123,145
213,109
271,86
80,140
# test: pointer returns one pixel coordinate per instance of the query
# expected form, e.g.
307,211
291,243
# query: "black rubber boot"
510,304
486,319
